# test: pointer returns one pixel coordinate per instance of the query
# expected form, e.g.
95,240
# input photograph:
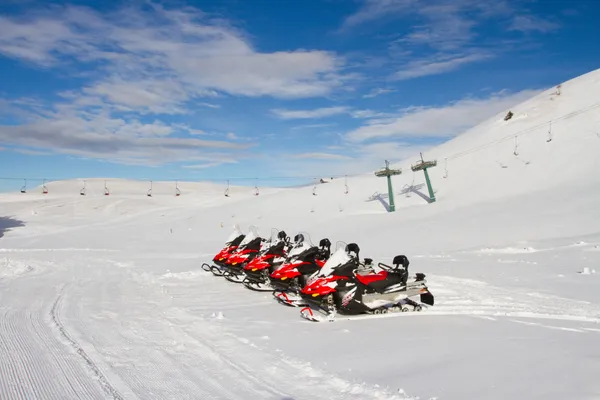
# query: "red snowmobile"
231,245
339,288
304,261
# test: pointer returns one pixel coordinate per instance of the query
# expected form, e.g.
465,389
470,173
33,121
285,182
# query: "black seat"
401,260
353,248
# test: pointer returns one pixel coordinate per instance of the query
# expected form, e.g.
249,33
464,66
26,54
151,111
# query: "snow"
103,296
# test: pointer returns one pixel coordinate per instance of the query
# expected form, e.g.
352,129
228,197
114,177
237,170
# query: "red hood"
320,287
261,262
224,254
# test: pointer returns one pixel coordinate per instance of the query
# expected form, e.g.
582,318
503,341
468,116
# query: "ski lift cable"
451,157
525,131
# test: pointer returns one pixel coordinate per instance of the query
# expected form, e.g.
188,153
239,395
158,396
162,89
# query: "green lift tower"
424,165
387,172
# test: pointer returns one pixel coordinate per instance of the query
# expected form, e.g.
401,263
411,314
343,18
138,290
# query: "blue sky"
270,89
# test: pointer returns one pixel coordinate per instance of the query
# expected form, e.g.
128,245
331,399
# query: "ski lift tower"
424,165
387,172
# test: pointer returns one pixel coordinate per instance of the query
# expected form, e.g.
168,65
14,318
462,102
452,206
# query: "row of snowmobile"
321,282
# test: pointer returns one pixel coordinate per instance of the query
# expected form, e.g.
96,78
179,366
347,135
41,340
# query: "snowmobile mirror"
299,238
282,235
368,261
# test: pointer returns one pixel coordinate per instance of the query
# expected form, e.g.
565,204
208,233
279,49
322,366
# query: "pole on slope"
424,165
387,172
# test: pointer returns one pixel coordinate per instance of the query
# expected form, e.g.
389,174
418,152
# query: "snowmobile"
271,258
231,245
292,276
247,250
339,288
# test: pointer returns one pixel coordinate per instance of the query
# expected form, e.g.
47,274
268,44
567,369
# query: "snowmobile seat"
325,245
353,248
278,249
401,260
299,238
283,237
372,278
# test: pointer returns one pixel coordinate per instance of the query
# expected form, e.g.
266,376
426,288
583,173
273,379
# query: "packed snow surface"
103,296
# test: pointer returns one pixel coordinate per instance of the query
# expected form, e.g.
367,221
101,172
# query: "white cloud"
447,30
530,23
185,47
143,61
375,9
438,65
322,156
376,92
349,159
98,135
442,122
312,126
309,114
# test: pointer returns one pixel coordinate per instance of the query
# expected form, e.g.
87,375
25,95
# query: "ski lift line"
451,157
525,131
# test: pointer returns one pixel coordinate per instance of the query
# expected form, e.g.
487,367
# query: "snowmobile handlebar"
386,267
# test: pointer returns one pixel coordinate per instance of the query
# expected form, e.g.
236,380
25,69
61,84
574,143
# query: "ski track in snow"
34,364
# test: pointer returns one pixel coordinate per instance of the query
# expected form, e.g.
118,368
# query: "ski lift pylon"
346,184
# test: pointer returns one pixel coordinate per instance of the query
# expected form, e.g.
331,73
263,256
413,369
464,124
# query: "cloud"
375,9
438,65
349,159
322,156
312,126
309,114
98,135
187,49
530,23
209,105
376,92
446,34
140,62
438,122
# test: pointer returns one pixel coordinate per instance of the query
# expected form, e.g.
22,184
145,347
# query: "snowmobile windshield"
340,257
252,234
237,232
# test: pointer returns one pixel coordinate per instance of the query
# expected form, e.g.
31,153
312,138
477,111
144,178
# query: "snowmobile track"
104,383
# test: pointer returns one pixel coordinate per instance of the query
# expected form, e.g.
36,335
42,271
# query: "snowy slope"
103,296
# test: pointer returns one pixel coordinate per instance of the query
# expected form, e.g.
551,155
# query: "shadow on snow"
8,223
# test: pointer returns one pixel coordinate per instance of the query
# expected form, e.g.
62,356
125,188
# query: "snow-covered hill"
104,295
